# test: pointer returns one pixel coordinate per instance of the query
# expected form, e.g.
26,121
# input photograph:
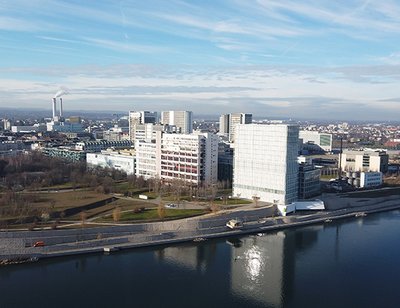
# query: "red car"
38,244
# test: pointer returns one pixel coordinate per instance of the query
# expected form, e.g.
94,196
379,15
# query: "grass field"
232,201
63,200
152,215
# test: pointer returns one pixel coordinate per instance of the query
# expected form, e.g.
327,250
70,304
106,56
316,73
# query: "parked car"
234,224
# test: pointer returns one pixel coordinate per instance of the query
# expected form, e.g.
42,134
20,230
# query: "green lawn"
152,214
233,201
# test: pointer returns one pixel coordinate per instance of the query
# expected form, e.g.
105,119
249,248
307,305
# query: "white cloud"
290,91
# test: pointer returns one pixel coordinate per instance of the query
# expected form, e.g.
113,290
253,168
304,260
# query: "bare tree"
161,210
116,214
83,217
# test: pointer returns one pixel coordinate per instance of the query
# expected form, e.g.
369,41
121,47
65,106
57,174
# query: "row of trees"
35,171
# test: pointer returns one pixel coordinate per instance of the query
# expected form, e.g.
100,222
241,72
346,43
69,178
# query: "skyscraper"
265,162
140,117
228,122
183,120
234,120
224,125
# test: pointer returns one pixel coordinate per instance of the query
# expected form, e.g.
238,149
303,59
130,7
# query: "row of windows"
263,189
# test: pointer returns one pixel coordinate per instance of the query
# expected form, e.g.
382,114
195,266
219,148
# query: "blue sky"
316,59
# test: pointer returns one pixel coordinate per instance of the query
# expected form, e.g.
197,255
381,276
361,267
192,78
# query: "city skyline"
324,60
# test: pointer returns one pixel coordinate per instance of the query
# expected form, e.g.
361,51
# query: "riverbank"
18,245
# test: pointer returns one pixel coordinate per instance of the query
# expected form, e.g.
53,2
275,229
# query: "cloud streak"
273,91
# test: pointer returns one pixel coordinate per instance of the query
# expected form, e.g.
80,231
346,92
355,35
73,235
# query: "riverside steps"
18,244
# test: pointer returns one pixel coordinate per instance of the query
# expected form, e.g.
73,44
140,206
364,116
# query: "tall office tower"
224,125
265,162
236,119
183,120
140,117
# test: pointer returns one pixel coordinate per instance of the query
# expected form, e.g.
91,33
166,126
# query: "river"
349,263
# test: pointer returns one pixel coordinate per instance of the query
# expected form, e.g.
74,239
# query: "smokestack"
54,107
61,108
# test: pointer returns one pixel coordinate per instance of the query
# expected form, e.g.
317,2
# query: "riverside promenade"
17,245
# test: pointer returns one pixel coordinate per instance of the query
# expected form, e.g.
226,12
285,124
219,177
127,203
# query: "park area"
58,207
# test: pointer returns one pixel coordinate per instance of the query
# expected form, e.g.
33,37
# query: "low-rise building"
65,153
365,160
371,179
319,140
119,160
98,146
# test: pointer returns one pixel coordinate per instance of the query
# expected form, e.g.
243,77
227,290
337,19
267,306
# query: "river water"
351,263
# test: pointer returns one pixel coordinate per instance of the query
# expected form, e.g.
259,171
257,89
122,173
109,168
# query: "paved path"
66,242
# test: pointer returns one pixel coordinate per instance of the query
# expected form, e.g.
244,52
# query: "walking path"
18,245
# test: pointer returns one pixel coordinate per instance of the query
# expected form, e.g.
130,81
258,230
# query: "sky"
313,59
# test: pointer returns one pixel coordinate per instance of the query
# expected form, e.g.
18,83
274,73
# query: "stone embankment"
19,244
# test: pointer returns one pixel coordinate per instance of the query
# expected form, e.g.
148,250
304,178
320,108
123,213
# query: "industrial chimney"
54,107
61,108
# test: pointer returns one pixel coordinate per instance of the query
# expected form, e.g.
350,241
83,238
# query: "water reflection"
291,268
262,268
190,257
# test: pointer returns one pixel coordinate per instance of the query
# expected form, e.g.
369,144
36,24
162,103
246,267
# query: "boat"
199,239
328,220
109,249
18,260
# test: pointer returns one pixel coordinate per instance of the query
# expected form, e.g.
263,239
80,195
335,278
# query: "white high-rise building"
140,117
190,157
228,122
224,125
265,162
183,120
148,153
147,131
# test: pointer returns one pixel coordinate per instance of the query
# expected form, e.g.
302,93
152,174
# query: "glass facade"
265,162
